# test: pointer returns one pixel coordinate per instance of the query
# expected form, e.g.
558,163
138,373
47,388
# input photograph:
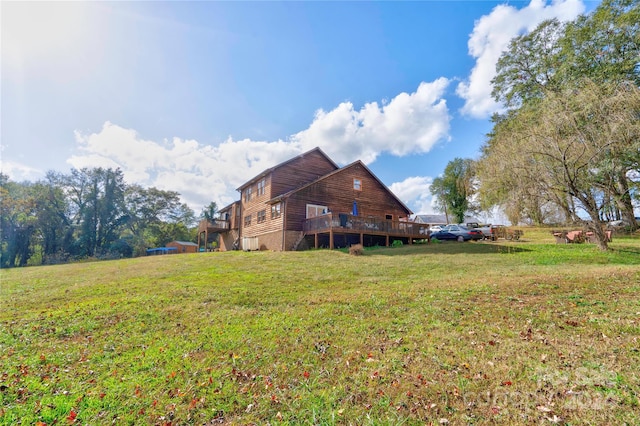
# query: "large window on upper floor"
247,220
357,184
247,193
261,185
314,210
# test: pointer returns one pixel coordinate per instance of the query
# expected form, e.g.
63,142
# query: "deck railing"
215,225
367,225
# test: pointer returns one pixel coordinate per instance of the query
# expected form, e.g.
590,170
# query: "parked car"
485,229
452,232
476,234
435,228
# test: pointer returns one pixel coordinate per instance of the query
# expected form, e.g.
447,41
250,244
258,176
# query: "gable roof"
277,166
357,162
431,218
228,206
440,218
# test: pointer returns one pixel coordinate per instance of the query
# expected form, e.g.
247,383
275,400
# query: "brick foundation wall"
270,241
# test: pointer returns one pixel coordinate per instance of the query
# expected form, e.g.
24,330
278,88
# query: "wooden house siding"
254,206
294,174
281,179
312,178
338,194
182,247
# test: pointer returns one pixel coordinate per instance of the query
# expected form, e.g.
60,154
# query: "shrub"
356,250
396,243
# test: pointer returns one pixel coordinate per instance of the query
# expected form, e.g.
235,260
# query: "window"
388,217
357,184
247,193
275,210
261,185
314,210
262,216
247,220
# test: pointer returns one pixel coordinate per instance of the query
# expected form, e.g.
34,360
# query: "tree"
96,206
454,189
529,67
89,212
570,143
210,211
17,222
554,61
53,223
147,210
603,46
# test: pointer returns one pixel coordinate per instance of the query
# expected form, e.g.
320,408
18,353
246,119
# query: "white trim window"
262,183
314,210
357,184
276,210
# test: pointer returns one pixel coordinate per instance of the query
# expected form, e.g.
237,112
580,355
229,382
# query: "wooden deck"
216,225
210,227
332,230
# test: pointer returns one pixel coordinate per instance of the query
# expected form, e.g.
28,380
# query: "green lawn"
475,333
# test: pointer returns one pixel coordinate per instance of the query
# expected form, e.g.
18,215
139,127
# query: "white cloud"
415,192
409,123
200,173
18,172
490,37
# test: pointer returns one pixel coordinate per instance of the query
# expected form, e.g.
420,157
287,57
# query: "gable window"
247,220
275,210
357,184
262,216
314,210
261,185
388,217
247,193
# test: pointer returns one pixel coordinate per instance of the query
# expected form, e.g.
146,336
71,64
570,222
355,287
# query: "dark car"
452,232
476,234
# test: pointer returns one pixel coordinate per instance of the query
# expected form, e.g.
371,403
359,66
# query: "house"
432,219
183,246
308,201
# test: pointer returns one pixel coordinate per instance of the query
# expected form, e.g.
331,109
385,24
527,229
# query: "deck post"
387,241
315,240
361,239
330,239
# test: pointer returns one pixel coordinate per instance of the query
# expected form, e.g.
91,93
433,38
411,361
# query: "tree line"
88,213
567,146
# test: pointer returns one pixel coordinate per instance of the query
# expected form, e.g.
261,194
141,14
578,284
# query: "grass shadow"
446,247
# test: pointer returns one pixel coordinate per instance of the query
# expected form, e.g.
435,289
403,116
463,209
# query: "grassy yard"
475,333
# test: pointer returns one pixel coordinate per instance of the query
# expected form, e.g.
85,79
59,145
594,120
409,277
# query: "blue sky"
198,97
